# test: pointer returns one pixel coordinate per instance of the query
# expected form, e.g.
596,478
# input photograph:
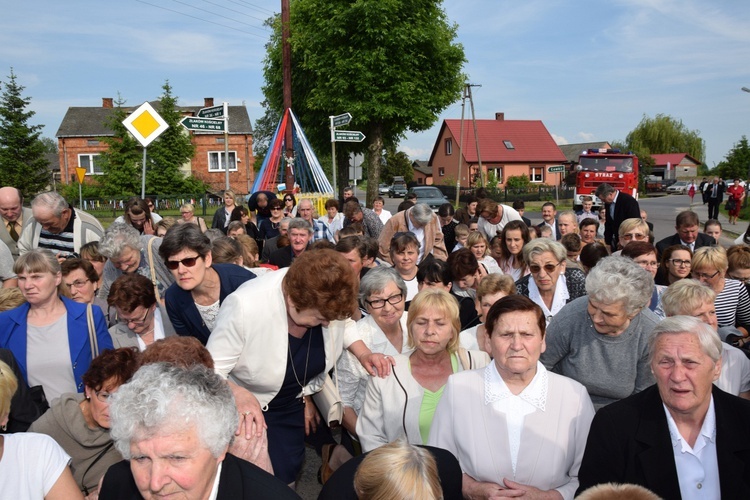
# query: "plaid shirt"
321,232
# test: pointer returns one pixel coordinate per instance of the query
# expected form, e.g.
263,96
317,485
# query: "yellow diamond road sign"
145,124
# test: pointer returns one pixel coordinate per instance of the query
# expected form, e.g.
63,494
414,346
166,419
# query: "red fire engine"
597,166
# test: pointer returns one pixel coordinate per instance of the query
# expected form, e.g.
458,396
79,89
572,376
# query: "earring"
4,427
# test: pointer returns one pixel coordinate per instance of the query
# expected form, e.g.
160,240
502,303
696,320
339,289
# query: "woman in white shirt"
480,248
513,425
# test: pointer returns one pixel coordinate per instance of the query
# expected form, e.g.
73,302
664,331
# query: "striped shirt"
733,304
59,243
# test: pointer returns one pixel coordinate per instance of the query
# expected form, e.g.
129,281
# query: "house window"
449,146
536,174
441,171
216,161
509,145
420,181
91,163
498,172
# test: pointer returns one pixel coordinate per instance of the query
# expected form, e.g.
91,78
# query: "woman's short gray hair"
422,213
620,279
707,337
377,279
117,237
539,246
164,398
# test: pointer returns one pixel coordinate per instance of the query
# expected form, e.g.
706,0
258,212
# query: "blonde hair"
615,491
249,250
10,298
8,386
475,238
496,283
573,219
442,301
684,296
633,223
461,230
38,261
715,257
189,207
398,470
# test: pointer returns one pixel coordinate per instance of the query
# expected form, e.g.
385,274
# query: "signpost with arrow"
212,119
342,136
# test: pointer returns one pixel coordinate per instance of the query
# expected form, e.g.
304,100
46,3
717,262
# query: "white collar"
708,429
535,393
558,300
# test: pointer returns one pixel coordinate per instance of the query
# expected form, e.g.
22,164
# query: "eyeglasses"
103,396
78,284
184,213
738,278
275,208
704,276
136,322
548,268
680,262
380,303
633,236
651,263
187,262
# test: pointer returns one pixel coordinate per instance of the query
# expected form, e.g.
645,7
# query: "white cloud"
586,136
415,153
559,140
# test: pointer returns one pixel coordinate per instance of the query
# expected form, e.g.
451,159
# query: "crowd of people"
458,353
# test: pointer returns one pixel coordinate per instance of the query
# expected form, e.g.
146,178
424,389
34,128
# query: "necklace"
307,359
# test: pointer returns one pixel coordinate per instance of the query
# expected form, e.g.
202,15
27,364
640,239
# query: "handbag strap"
92,331
152,269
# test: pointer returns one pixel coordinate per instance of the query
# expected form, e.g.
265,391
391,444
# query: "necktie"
12,231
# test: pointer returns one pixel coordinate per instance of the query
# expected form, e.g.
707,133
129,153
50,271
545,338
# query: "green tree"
736,164
396,163
22,153
121,162
263,131
50,145
393,64
167,154
664,134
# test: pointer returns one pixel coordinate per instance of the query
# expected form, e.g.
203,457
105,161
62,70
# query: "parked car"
430,195
398,190
383,189
679,187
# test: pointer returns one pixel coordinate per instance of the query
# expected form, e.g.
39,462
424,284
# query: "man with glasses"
619,207
687,226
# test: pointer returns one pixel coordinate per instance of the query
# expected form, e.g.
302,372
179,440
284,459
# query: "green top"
430,401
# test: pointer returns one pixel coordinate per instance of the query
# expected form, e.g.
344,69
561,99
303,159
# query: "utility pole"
461,147
476,136
286,66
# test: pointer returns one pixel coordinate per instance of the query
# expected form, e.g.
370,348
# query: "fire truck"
597,166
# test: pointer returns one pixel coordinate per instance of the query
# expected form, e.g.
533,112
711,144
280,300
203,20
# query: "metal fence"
114,207
509,195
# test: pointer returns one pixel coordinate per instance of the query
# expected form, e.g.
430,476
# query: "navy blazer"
13,336
181,308
626,207
703,240
629,442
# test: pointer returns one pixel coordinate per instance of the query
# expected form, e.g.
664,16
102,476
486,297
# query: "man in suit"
549,218
714,194
300,233
15,218
687,226
620,206
678,438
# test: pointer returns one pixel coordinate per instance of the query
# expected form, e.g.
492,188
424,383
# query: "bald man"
15,218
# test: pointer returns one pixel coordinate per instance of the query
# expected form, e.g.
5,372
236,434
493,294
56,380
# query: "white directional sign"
347,136
202,124
341,120
556,169
212,112
145,124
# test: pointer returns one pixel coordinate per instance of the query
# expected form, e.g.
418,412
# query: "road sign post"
347,136
341,136
558,169
202,124
146,125
213,119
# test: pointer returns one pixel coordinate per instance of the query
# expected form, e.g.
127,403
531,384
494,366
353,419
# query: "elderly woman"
690,298
491,289
223,215
187,211
478,245
403,404
676,262
643,253
710,266
551,284
82,281
199,286
601,340
512,240
404,253
588,229
631,230
130,252
34,466
334,220
142,320
49,335
283,355
80,422
139,216
174,426
516,428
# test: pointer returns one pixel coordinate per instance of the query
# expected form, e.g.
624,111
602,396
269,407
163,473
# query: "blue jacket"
181,308
13,336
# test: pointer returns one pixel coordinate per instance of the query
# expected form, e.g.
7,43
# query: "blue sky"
588,69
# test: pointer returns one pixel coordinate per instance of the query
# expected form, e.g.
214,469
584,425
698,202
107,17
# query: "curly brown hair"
322,280
179,351
118,364
130,291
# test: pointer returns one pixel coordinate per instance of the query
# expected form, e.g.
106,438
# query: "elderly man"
679,438
714,194
687,226
425,225
370,221
620,206
58,227
300,234
15,218
320,229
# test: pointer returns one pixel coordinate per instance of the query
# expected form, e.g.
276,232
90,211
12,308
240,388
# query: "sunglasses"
549,268
275,208
187,262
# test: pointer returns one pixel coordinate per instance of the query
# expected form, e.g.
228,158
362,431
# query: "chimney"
107,102
500,116
208,102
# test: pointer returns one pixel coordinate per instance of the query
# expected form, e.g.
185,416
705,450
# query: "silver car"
679,187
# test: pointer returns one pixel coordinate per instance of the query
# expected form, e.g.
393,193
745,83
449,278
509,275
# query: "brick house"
675,166
82,128
508,148
422,172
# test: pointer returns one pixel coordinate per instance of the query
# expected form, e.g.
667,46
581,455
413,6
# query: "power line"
232,10
270,14
218,15
257,7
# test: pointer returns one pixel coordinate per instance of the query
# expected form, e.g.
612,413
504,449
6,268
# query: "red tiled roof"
673,159
530,138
